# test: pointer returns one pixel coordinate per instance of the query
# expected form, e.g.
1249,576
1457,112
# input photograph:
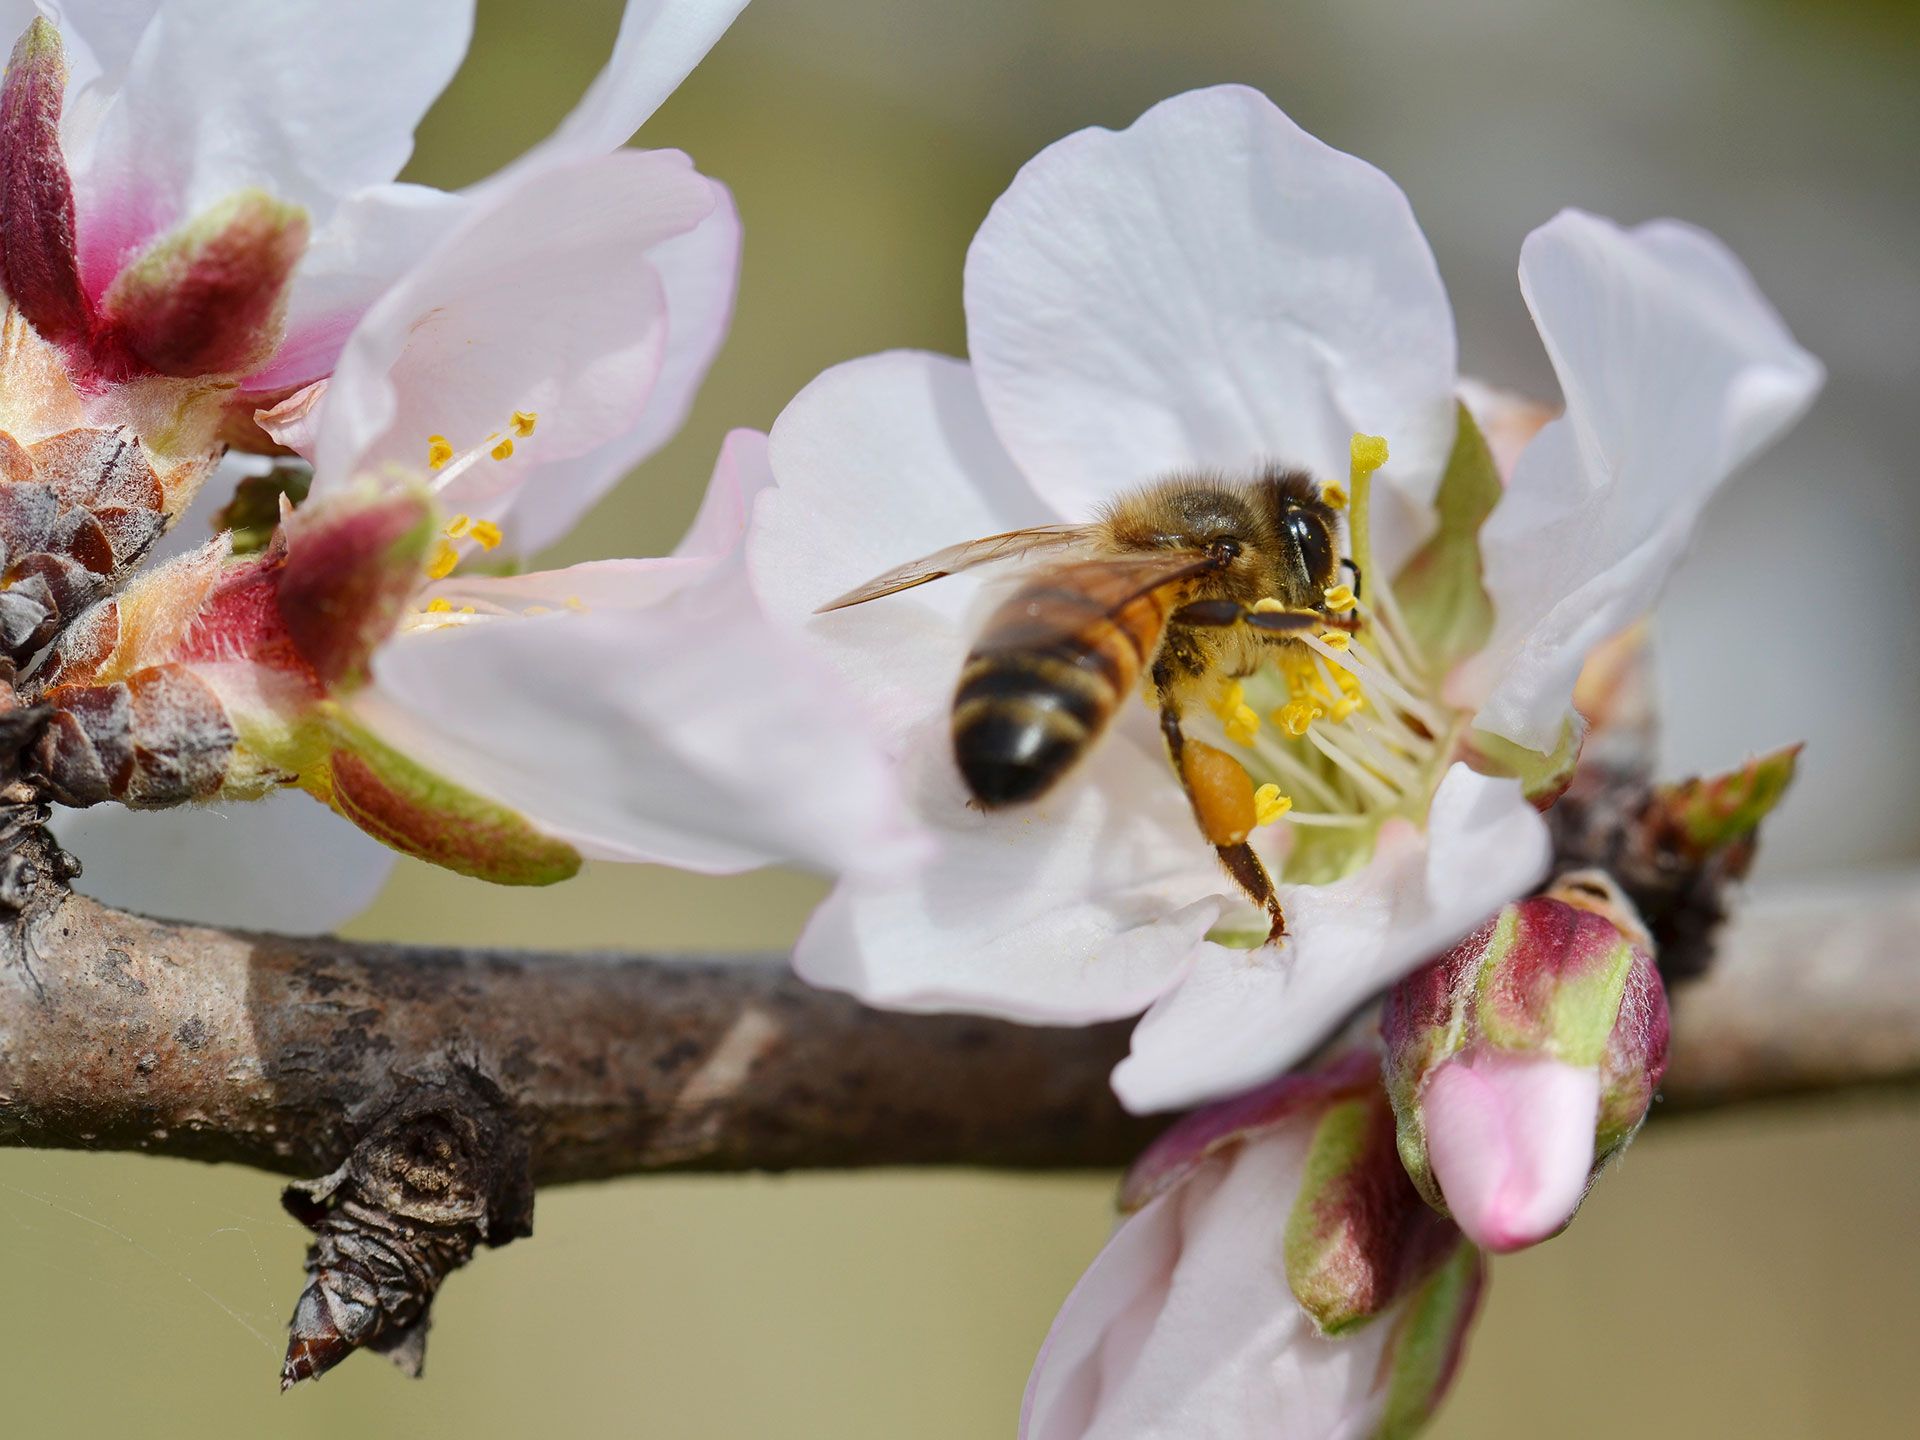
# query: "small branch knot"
443,1173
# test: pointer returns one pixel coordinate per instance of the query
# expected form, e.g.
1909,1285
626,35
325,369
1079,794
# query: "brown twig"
440,1085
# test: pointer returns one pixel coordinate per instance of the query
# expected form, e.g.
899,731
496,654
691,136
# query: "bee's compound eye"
1309,533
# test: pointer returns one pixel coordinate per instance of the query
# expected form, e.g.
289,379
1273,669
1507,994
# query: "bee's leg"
1218,614
1221,794
1356,575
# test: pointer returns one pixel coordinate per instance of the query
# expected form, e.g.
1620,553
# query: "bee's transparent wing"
1012,545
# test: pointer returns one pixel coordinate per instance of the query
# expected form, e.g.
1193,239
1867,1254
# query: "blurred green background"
1754,1275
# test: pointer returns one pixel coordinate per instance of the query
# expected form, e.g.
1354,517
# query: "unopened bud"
38,259
1521,1061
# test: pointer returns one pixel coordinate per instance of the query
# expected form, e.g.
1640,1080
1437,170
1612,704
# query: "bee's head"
1302,525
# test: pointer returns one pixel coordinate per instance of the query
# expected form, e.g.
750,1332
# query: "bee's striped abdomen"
1047,673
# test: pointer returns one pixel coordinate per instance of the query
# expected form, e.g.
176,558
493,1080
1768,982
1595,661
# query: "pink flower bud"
1521,1061
1510,1139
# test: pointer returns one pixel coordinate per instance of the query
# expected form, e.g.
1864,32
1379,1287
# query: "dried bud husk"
442,1175
1675,849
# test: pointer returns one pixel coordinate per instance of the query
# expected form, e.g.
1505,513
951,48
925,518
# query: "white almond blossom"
1214,291
548,327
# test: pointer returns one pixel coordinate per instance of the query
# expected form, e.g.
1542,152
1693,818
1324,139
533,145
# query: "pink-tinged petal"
542,302
371,239
1184,1327
1242,1017
1210,288
282,863
743,474
305,99
689,733
1082,907
1510,1139
1676,371
1195,1138
295,421
699,274
660,41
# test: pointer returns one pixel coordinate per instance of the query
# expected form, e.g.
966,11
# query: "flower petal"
372,238
1184,1327
1676,371
879,461
659,43
686,731
543,301
1242,1017
305,99
283,863
714,538
1081,907
1510,1138
699,273
1210,288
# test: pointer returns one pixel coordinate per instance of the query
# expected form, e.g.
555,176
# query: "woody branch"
124,1033
439,1086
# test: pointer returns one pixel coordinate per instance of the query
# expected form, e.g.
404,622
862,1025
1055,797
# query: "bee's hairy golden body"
1058,658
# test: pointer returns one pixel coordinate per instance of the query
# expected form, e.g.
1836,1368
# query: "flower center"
1343,728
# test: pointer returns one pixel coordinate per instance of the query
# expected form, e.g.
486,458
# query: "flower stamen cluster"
1356,732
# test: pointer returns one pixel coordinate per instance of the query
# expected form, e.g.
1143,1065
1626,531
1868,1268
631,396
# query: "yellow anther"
1369,453
1336,640
523,422
458,526
503,449
1269,804
439,451
1267,605
487,535
538,610
575,603
1348,682
1335,494
1341,598
1229,698
1297,716
439,605
444,558
1346,706
466,610
1243,725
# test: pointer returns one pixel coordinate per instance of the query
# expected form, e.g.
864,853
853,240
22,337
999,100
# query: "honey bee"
1164,583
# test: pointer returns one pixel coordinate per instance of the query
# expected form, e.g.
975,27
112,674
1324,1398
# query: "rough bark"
435,1088
123,1033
